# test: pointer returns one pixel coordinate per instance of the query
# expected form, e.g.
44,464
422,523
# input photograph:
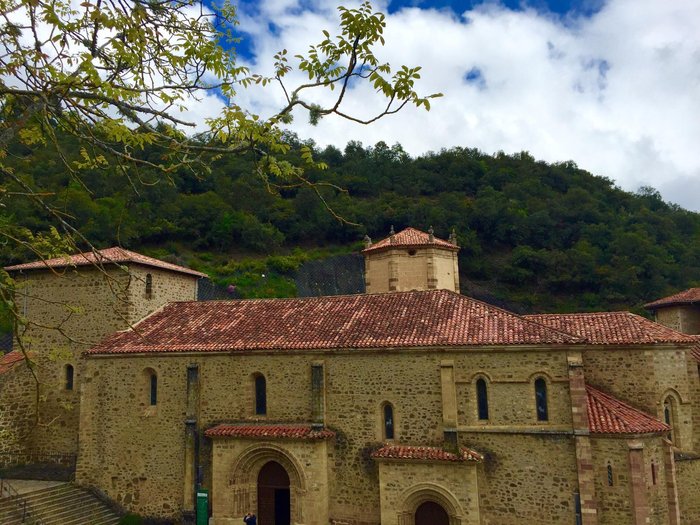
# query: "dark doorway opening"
274,504
431,513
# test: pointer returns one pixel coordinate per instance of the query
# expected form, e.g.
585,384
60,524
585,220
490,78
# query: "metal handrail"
8,491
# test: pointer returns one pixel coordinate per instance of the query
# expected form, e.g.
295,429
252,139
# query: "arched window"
149,286
260,395
611,479
69,377
541,399
388,415
153,387
670,418
482,399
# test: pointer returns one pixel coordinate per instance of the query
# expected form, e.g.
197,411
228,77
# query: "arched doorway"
273,495
431,513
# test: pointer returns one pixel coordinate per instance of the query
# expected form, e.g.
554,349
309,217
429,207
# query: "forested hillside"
536,236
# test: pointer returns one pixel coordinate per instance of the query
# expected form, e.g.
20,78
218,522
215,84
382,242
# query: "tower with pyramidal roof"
411,260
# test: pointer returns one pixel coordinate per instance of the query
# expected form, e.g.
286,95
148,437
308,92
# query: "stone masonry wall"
411,271
135,452
526,478
614,502
81,304
670,316
17,409
86,304
644,378
167,287
688,476
415,481
683,318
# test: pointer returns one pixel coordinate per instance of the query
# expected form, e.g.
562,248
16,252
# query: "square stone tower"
680,311
71,304
411,260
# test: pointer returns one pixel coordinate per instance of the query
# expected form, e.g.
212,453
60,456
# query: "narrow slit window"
153,381
149,286
482,399
611,479
670,418
260,395
541,399
653,473
388,421
70,371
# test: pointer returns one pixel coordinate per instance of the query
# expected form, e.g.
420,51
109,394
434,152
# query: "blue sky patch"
475,77
560,7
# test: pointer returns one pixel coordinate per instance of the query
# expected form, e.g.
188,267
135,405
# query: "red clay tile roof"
269,431
400,319
425,454
611,328
695,351
691,295
607,415
9,360
409,238
113,255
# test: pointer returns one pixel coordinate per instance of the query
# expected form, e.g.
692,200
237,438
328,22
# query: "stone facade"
17,409
684,318
404,269
150,426
70,310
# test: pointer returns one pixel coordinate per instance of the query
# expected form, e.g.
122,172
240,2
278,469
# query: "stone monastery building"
408,405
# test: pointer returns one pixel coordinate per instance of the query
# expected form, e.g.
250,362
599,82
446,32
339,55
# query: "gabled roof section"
607,415
434,318
403,452
612,328
691,295
114,255
269,431
9,360
410,238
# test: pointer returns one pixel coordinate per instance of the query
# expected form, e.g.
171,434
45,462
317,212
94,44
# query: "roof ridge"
116,255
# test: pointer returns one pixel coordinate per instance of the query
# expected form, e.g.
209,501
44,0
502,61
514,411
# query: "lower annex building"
411,404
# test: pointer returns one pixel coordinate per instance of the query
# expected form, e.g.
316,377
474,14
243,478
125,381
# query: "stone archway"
431,513
265,461
274,502
430,501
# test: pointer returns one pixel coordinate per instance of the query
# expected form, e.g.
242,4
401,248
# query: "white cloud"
616,92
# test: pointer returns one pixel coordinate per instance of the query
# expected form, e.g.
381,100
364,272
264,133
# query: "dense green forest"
534,236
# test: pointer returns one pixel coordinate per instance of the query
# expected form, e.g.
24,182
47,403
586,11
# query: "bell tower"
411,260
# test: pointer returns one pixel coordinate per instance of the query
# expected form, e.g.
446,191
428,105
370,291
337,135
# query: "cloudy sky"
613,85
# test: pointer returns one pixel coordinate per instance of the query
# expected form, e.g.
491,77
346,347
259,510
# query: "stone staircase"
63,504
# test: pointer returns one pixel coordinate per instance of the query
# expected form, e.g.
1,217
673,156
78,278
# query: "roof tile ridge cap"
576,338
278,299
580,314
99,257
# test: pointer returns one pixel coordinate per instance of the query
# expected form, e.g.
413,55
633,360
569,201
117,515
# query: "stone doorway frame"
418,494
244,478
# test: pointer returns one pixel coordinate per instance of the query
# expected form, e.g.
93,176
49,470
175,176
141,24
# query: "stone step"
82,508
64,504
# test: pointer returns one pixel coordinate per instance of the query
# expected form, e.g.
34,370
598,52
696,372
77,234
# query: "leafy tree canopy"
99,88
